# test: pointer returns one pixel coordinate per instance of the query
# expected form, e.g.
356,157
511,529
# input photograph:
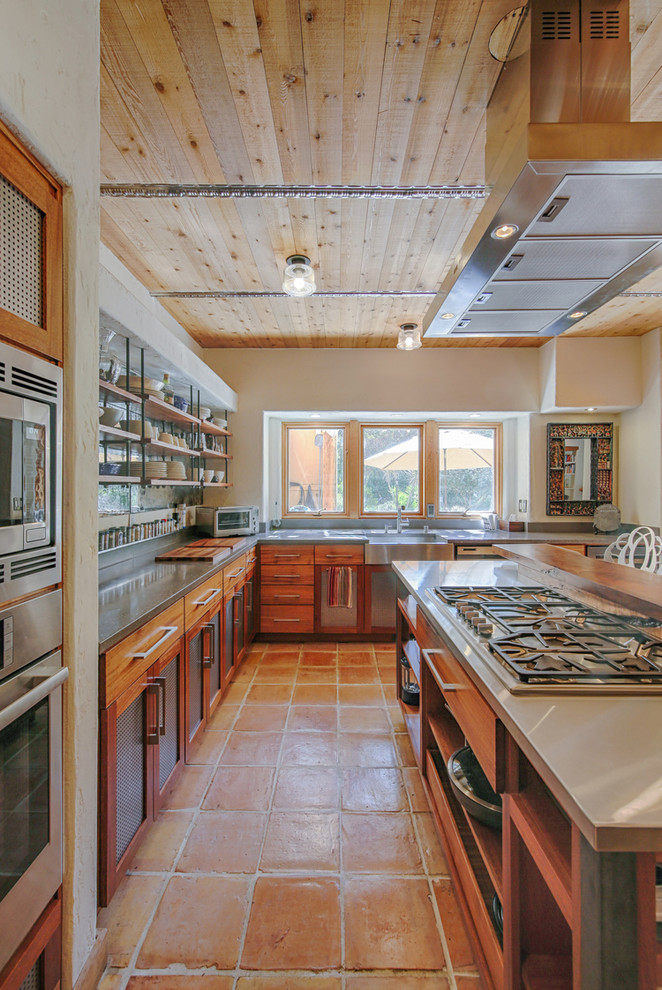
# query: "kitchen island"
580,777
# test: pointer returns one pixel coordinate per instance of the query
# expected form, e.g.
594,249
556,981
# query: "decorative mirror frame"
601,466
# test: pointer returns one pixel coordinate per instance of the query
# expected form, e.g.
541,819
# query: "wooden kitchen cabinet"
32,315
204,676
251,602
141,752
338,619
287,588
379,583
37,963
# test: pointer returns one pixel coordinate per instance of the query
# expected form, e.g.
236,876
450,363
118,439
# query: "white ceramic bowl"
209,474
110,416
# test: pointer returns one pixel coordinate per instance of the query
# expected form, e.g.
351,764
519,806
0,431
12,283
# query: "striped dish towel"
339,587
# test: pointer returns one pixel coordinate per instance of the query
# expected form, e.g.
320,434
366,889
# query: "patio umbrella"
458,449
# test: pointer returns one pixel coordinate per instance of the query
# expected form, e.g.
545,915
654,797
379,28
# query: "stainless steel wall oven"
31,678
30,473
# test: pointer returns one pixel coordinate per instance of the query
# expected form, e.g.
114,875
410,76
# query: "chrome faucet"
400,523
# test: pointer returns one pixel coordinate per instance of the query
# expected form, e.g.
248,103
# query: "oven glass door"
30,797
233,521
25,469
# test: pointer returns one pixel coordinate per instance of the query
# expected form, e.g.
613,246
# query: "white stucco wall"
641,442
49,95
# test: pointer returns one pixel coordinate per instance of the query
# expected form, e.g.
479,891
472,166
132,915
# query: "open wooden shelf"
119,394
158,447
412,720
447,734
412,651
547,973
407,608
214,454
171,482
118,479
547,835
216,484
158,409
212,429
112,431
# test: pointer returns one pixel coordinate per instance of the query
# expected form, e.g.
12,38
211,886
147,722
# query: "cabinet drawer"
338,554
127,661
251,556
285,553
276,594
202,598
479,724
233,573
287,619
286,573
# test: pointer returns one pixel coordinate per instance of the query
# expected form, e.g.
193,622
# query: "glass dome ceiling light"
299,278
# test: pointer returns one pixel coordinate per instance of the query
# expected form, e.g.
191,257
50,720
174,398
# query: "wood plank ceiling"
313,92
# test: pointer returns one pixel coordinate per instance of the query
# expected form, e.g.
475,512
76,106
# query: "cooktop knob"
484,628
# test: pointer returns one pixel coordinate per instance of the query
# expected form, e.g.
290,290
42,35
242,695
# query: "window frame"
363,514
434,478
285,465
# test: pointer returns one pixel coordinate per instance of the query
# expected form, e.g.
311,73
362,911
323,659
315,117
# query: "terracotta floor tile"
309,749
358,675
433,854
276,655
360,694
317,675
223,717
156,982
275,675
224,842
363,720
208,749
390,693
472,982
319,659
413,981
315,694
280,934
379,843
405,751
289,983
161,844
240,789
367,749
389,923
370,789
357,649
270,694
356,659
111,981
386,674
191,785
457,940
186,926
127,914
325,647
415,789
245,675
307,788
397,719
304,841
252,749
236,693
316,718
261,718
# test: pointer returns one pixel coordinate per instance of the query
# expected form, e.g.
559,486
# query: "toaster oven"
227,520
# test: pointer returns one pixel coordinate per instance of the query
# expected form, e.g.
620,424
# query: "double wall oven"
31,670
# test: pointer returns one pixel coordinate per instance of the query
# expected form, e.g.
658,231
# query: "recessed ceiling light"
591,408
504,231
448,316
578,314
315,416
474,415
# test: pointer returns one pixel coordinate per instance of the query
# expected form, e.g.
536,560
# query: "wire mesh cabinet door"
340,618
168,676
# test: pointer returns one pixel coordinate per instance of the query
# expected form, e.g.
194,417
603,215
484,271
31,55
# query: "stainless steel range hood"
579,183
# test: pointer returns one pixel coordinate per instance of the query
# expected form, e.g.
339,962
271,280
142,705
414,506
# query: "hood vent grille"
556,25
604,24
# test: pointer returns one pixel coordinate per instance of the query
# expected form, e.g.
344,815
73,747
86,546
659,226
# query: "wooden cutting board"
225,541
210,555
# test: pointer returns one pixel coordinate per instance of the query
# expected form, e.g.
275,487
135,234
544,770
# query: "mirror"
579,467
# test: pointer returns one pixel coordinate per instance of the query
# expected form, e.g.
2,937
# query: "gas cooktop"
539,640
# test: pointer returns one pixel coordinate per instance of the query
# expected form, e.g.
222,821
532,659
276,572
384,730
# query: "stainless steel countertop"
600,756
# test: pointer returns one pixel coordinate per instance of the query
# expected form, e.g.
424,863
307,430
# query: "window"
391,476
315,469
467,469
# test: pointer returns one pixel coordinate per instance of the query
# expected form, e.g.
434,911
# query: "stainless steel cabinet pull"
286,576
152,728
167,633
210,597
208,659
294,594
337,556
161,682
435,673
277,556
287,620
236,573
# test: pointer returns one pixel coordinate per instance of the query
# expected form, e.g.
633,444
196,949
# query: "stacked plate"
156,469
153,387
205,412
176,470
